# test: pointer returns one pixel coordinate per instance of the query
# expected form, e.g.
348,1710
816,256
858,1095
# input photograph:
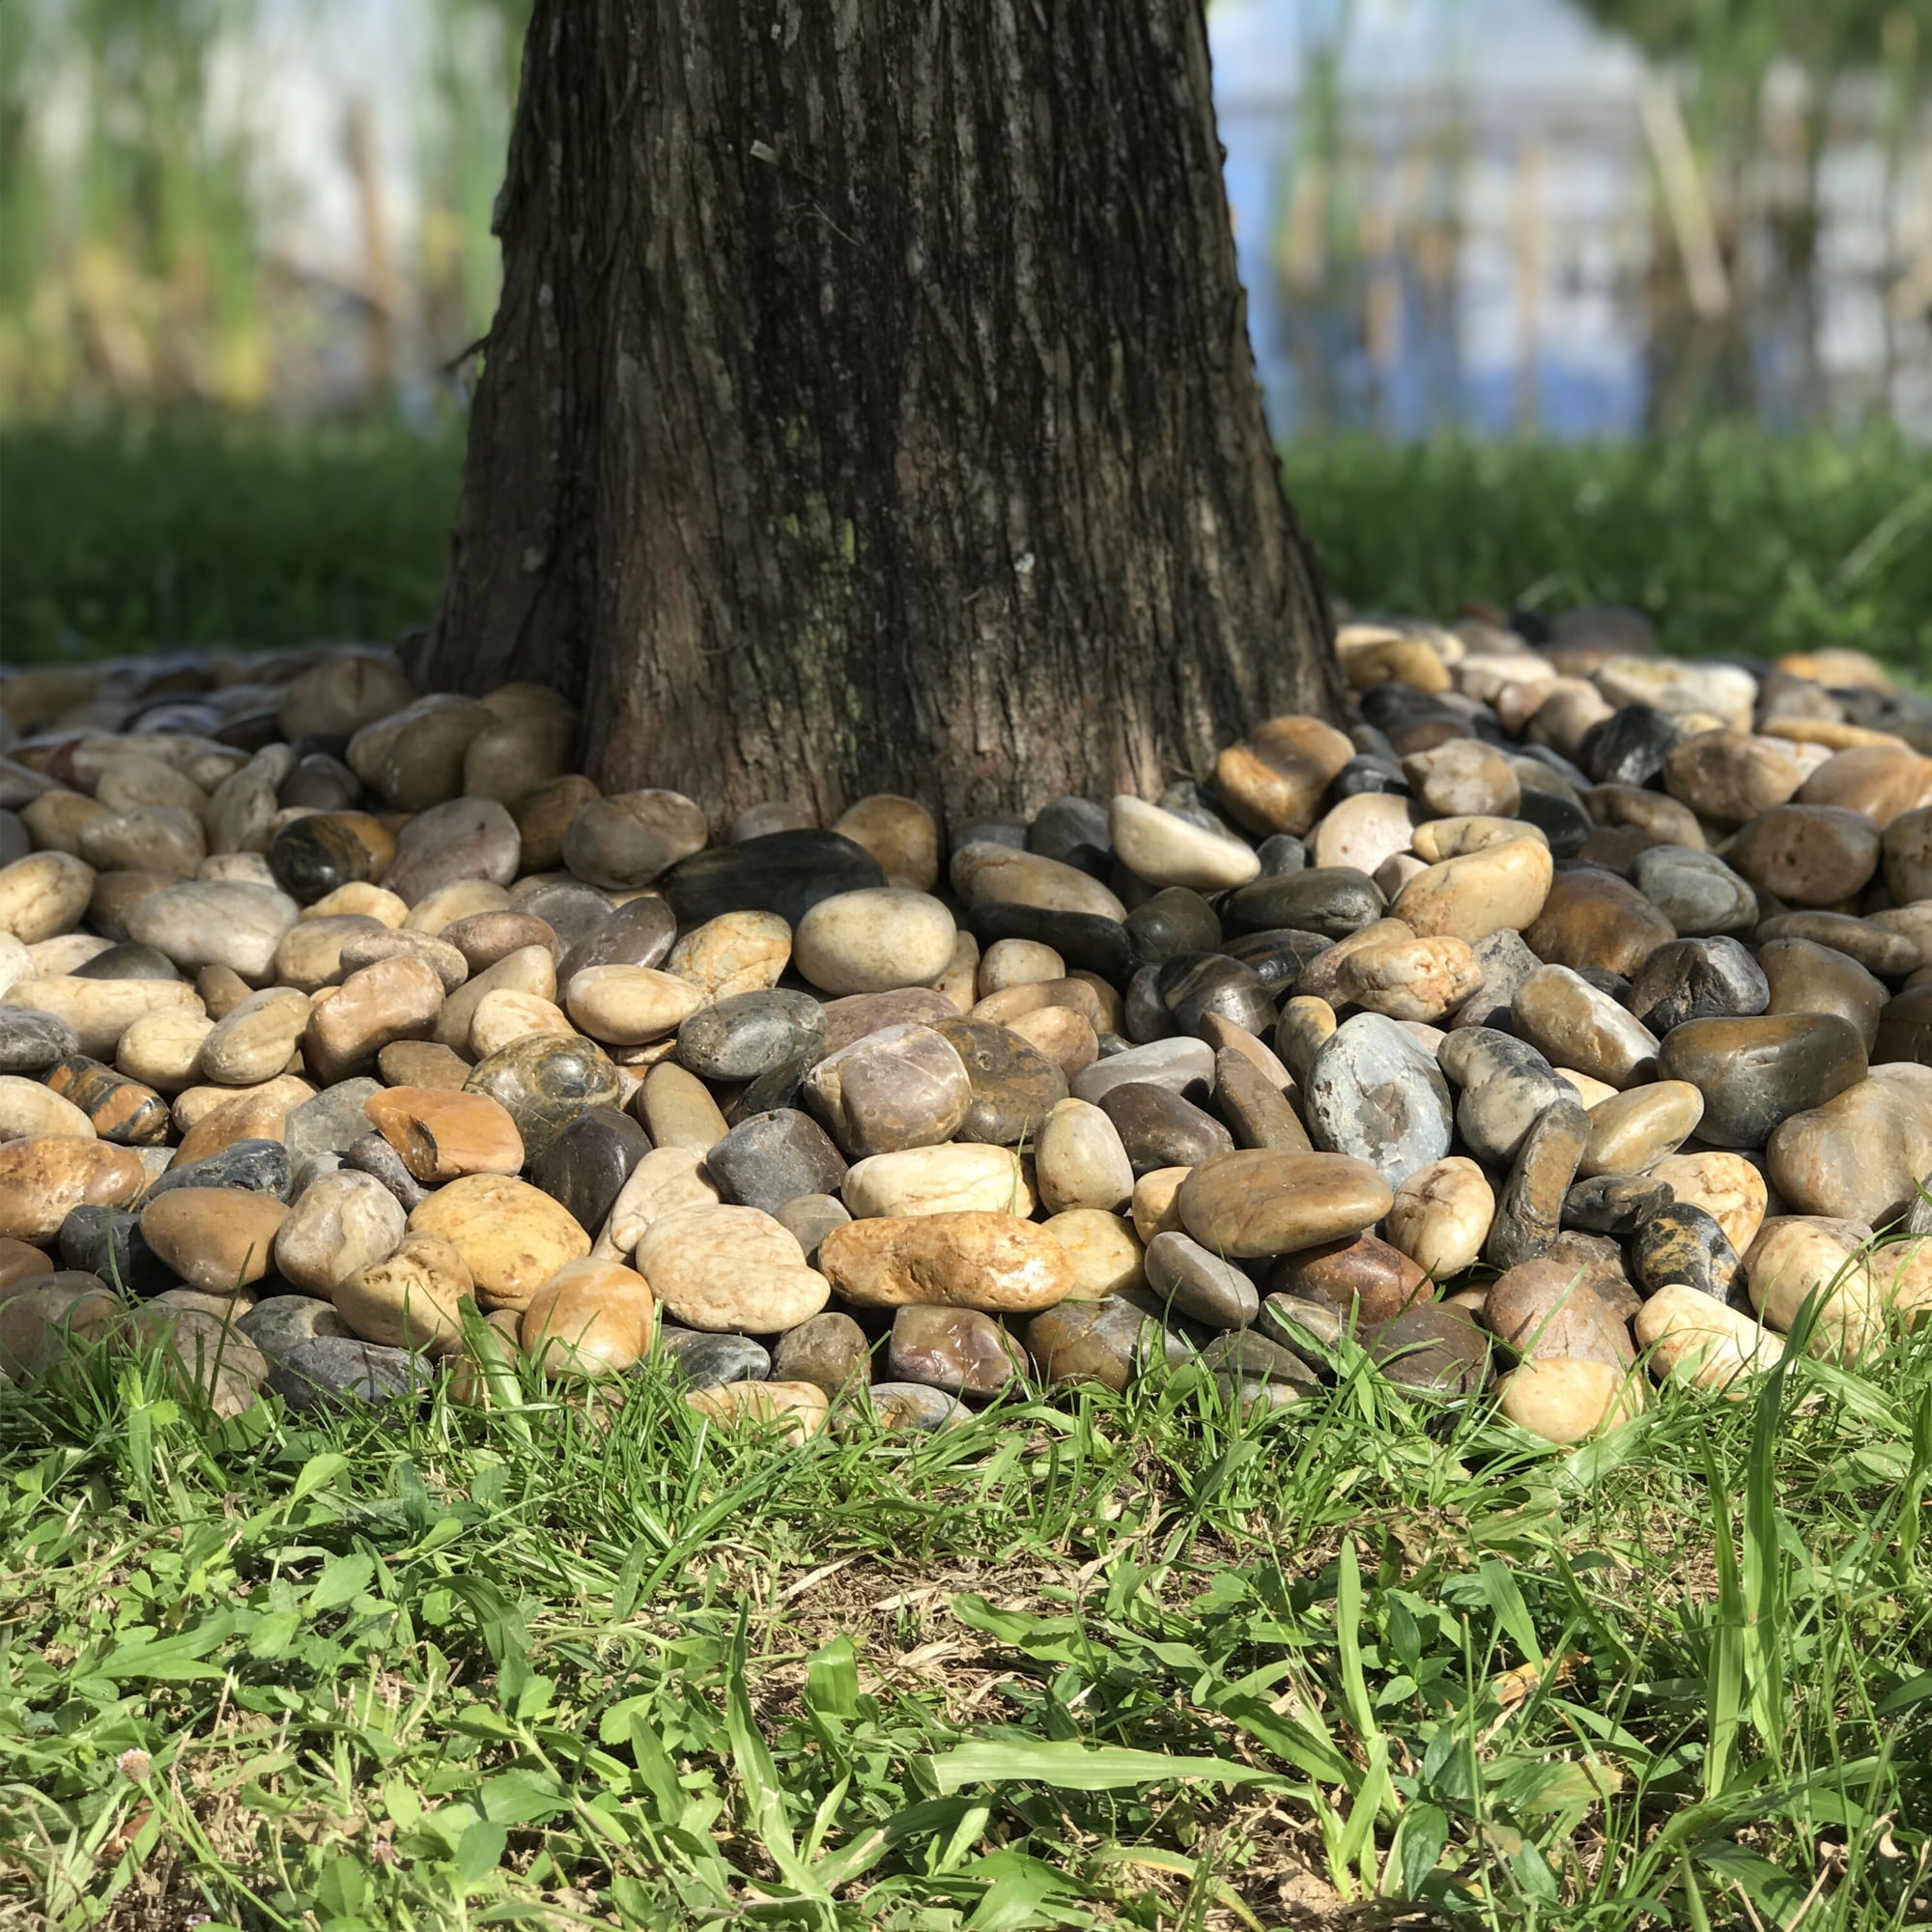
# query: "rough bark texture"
870,408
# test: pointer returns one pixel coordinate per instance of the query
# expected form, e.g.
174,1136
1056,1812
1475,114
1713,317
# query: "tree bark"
871,407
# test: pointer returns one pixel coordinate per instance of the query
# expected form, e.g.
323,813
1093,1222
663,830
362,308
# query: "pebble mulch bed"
1563,1022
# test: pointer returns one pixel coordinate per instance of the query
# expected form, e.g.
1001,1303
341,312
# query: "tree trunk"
870,408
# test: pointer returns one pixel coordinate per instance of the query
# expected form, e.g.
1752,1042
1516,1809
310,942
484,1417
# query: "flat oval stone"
1806,978
1360,1277
1799,1260
333,1371
1469,897
1632,1131
1166,849
638,934
317,854
715,1361
115,1107
955,1179
1250,1202
989,871
1106,1342
1014,1086
1256,1108
31,1040
1573,1024
874,939
631,837
960,1350
1529,1210
1685,1245
1184,1065
1089,940
996,1262
1158,1129
591,1317
664,1179
411,1297
1081,1161
277,1322
1330,900
773,1158
1409,978
1754,1073
585,1166
1441,1217
1862,1153
545,1082
463,838
1374,1094
1432,1349
895,1406
1689,1337
678,1109
206,923
782,873
338,1223
43,894
750,1034
511,1236
829,1350
215,1238
1592,917
128,962
1808,855
729,1267
1696,892
899,1088
1698,980
1190,1280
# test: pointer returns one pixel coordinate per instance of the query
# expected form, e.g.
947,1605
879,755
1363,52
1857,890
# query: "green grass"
1139,1662
118,536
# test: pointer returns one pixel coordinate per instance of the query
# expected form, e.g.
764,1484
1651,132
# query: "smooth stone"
1409,978
1807,855
255,1166
46,1320
1018,962
1680,687
277,1322
441,1136
81,1096
1070,829
638,934
1274,779
1252,1202
1529,1209
1330,900
1688,1336
108,1242
1256,1111
1165,849
1614,1203
1158,1129
1634,1130
1373,1093
1014,1086
1573,1024
790,1411
873,941
591,1317
256,1041
1434,1350
1592,917
1565,1401
1865,1152
1170,922
1361,830
1249,1366
1727,776
1184,1065
861,1014
750,1034
988,872
333,1122
829,1350
782,872
215,1238
1441,1217
1875,947
1367,1280
1904,1030
1755,1073
810,1218
913,1406
1468,897
206,923
486,937
1800,1261
544,1082
678,1109
664,1179
1727,1186
729,1267
44,895
1086,941
901,833
1461,778
1696,891
1190,1280
1108,1342
340,1222
1906,847
1104,1249
1563,822
701,1360
315,854
463,838
585,1166
511,1236
97,1013
373,1155
1882,781
902,1087
333,1371
411,1297
1685,1245
1806,978
1080,1160
960,1350
30,1041
630,838
996,1262
773,1158
1192,986
1543,1311
1698,980
128,962
954,1179
735,952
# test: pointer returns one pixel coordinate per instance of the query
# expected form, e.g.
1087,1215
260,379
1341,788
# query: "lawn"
1137,1660
118,536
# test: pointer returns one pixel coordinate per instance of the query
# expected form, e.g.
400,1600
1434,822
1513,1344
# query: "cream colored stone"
102,1011
1482,892
721,1269
1692,1338
988,874
1019,962
873,941
952,1179
735,952
1081,1162
43,895
1441,1217
901,833
663,1180
29,1108
1165,849
627,1006
511,1236
339,1223
1105,1251
255,1041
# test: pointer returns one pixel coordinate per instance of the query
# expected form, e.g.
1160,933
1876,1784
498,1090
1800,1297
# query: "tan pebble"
412,1298
1726,1186
959,983
1441,1217
254,1042
1690,1337
1567,1402
101,1011
1105,1251
1154,1210
735,952
1065,1036
663,1180
460,899
43,894
591,1317
797,1409
441,1136
724,1269
512,1236
995,1263
340,1222
215,1238
1480,893
901,833
29,1108
43,1179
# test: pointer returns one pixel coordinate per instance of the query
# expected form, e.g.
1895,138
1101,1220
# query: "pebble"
773,1158
698,1360
543,1083
441,1136
1190,1280
790,1410
1754,1073
955,1179
1863,1153
1105,1341
1166,849
745,1035
43,1179
960,1350
1683,1244
901,833
1689,1337
1252,1202
1565,1401
1502,887
1634,1130
591,1317
780,872
829,1350
411,1297
1576,1025
997,1263
1373,1093
664,1179
1543,1311
511,1236
1014,1086
1437,1351
732,1268
1592,917
1441,1215
1698,980
1807,855
215,1238
1367,1280
585,1169
901,1087
340,1222
1529,1209
332,1372
214,925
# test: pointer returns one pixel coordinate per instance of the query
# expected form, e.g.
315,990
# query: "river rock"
1332,901
1807,855
1441,1215
1860,1153
729,1267
1689,1337
960,1350
1166,849
1273,780
874,939
1684,1244
339,1223
31,1040
1192,1281
215,1238
1574,1025
664,1179
1592,917
1697,979
412,1298
1081,1161
1799,1261
996,1262
585,1166
591,1317
773,1158
1434,1350
1367,1280
639,934
902,1087
1541,1311
1565,1401
782,872
545,1082
750,1034
1013,1086
827,1350
939,1180
204,924
44,895
1529,1210
1634,1130
1469,897
1252,1202
1753,1073
1374,1094
442,1135
511,1236
42,1180
1696,891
